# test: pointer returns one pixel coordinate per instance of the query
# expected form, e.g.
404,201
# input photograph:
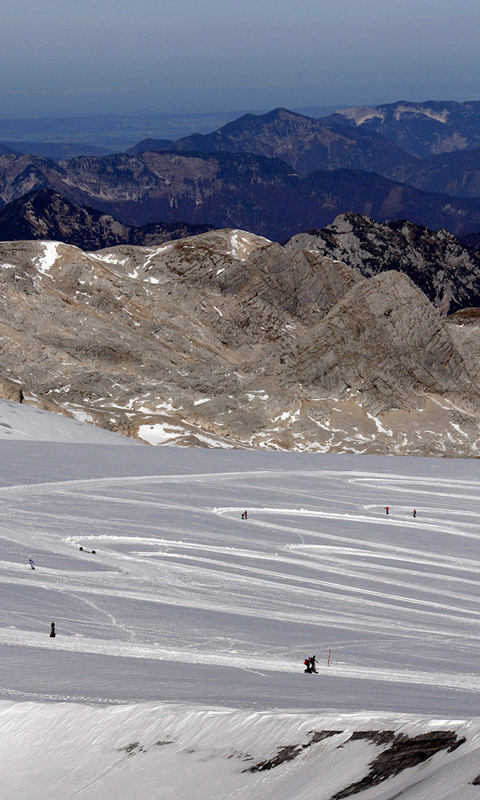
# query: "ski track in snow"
179,577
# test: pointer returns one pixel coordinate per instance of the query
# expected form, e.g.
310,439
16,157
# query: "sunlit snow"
178,660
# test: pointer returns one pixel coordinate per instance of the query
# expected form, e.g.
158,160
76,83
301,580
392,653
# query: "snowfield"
177,669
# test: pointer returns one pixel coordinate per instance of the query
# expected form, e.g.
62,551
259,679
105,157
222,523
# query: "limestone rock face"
229,340
446,269
383,340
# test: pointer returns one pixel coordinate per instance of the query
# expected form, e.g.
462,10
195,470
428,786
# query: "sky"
182,56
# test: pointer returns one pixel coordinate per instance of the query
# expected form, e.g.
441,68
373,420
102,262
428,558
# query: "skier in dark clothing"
52,630
387,510
414,513
313,664
32,563
245,515
308,666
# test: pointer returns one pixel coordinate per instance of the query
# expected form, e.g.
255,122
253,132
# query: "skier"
52,630
308,665
245,515
414,513
32,563
387,510
313,664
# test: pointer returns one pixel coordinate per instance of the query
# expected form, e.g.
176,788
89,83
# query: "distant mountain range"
335,143
306,144
45,214
56,150
421,129
240,190
281,173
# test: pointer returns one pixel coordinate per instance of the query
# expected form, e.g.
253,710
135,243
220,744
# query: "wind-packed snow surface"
177,669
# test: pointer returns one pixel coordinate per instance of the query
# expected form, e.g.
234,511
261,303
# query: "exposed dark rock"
405,752
291,752
465,317
319,736
130,749
288,753
376,737
44,214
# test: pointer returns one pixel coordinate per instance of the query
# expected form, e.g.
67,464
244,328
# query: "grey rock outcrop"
445,268
226,339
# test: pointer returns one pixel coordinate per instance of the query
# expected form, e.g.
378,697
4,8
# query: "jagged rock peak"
446,269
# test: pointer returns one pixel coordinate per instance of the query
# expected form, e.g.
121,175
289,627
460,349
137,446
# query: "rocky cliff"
445,268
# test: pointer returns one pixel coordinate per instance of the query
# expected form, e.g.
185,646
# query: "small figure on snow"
52,630
32,563
387,510
308,665
414,513
313,664
245,515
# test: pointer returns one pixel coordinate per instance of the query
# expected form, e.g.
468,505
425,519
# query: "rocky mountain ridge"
44,214
226,339
446,269
309,145
305,143
421,129
230,190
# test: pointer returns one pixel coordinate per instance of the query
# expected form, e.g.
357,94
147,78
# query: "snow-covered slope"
180,641
18,421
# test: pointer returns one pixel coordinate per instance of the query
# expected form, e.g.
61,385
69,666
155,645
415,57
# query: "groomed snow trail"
185,601
178,660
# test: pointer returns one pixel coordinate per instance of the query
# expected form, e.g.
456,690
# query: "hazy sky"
64,56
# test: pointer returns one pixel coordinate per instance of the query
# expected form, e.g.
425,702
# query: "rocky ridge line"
226,339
